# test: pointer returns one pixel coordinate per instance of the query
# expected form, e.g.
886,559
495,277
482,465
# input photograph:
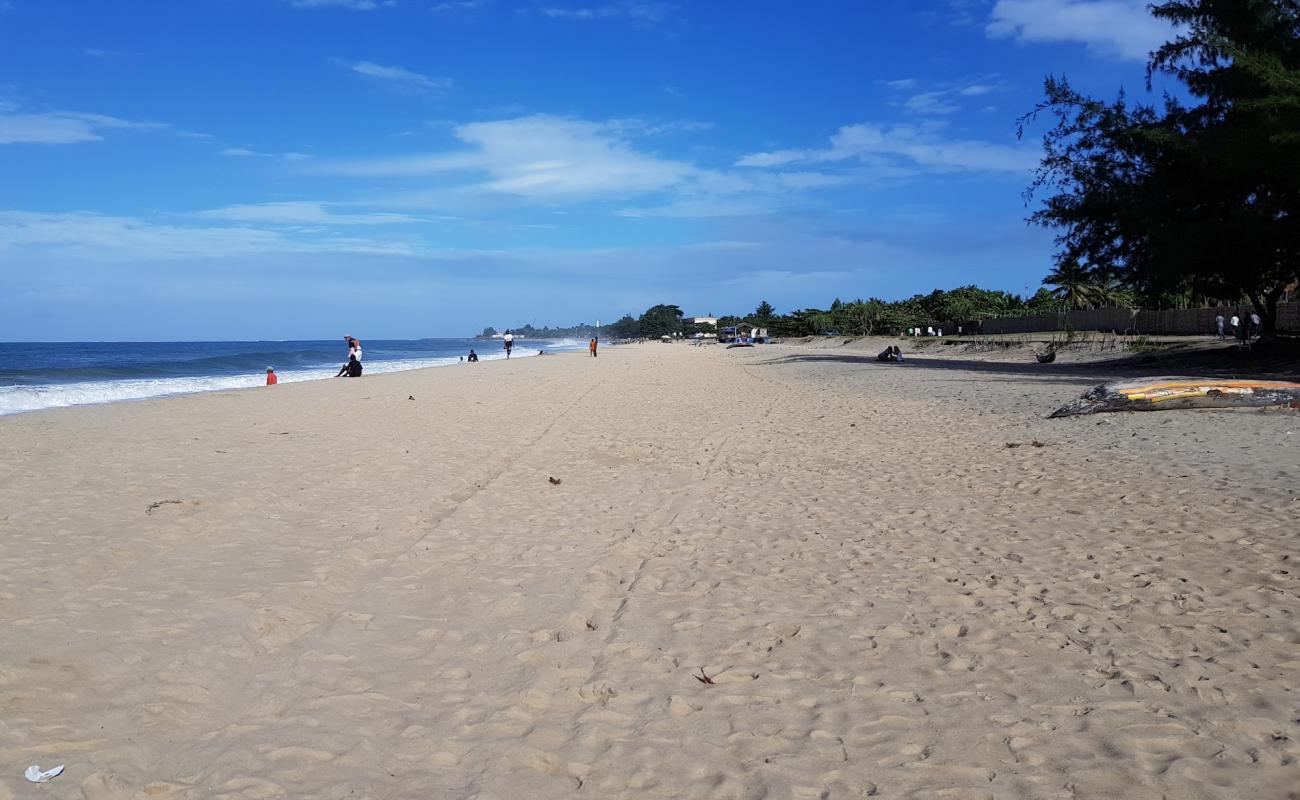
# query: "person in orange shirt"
592,346
271,380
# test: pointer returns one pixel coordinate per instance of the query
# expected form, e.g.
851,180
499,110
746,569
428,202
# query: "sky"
290,169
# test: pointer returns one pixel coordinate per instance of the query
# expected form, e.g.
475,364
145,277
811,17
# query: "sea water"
38,375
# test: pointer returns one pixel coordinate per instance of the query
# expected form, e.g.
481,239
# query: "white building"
705,321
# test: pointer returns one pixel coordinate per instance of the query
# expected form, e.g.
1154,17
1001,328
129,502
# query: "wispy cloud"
302,212
929,103
635,10
403,80
538,156
921,146
102,237
1115,28
61,127
459,7
550,161
248,152
356,5
940,97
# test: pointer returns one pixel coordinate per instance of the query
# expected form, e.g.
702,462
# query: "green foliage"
625,328
1200,199
660,320
580,331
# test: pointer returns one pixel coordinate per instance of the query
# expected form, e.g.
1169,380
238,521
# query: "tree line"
854,317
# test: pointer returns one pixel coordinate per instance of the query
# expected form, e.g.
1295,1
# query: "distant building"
705,321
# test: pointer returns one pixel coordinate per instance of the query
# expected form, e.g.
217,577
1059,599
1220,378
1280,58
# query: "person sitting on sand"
898,354
473,357
271,380
890,353
354,354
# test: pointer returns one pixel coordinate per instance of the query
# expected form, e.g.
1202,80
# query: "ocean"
38,375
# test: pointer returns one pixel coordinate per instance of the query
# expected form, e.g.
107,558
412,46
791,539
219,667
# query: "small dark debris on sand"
555,481
161,503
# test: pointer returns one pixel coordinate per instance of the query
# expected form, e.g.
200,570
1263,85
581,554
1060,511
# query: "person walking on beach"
271,380
1218,325
509,340
592,346
1236,326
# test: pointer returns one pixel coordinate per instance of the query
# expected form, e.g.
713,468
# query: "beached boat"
1157,394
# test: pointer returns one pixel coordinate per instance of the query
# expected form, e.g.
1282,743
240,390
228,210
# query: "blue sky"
235,169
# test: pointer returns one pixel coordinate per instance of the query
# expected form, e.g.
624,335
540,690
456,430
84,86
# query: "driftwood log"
1158,394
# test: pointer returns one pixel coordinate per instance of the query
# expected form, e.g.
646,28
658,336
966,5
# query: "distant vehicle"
830,333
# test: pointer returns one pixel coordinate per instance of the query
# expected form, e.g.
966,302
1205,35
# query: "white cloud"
940,97
930,103
356,5
402,79
301,212
922,146
454,7
538,156
108,238
550,161
1117,28
60,127
238,152
636,10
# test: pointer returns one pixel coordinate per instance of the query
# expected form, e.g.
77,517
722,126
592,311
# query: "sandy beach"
668,572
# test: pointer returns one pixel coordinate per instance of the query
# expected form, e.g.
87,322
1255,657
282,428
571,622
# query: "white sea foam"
18,399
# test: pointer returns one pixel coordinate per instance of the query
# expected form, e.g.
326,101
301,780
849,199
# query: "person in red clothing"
271,380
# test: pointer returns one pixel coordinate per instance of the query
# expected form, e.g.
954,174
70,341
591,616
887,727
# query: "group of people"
1256,326
891,353
352,368
929,330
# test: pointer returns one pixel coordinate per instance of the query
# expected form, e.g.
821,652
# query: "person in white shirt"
354,358
509,340
1256,324
1236,327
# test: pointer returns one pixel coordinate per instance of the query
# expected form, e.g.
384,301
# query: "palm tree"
1075,284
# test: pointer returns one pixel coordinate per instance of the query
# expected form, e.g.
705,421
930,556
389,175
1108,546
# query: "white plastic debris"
35,775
